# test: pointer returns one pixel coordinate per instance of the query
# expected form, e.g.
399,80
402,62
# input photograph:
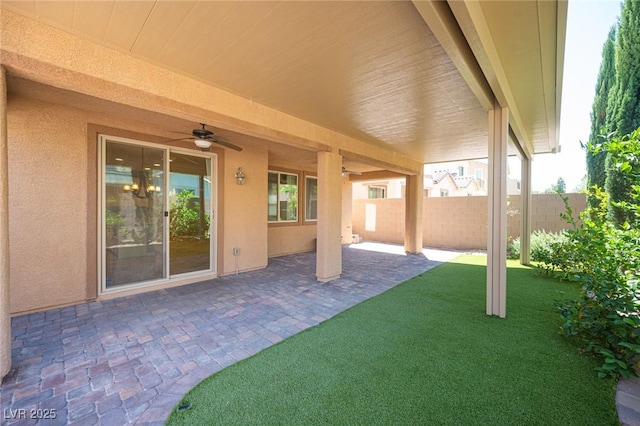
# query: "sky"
588,24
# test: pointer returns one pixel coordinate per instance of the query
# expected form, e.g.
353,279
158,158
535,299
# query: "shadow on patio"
131,359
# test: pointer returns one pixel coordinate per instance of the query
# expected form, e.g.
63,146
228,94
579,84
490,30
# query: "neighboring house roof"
464,181
440,175
458,182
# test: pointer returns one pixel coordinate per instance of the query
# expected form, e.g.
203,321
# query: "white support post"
329,227
497,212
525,216
5,308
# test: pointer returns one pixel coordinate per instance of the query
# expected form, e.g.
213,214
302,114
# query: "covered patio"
93,94
130,359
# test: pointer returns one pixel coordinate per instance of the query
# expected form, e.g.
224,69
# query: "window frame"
278,221
306,199
381,187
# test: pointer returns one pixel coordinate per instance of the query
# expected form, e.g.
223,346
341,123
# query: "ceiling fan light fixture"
202,143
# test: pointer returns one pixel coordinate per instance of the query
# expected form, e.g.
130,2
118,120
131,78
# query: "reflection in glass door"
133,215
189,214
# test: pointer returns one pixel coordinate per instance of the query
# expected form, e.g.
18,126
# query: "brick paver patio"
130,360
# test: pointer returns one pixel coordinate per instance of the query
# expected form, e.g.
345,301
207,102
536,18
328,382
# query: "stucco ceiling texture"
369,70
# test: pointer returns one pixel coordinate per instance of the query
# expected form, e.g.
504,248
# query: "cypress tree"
623,113
623,109
606,79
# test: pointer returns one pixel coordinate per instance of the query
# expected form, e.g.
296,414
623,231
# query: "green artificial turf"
423,352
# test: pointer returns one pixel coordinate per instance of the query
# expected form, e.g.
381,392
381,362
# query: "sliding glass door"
154,225
134,234
190,214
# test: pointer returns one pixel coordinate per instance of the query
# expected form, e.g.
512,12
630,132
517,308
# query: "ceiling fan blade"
204,136
350,172
178,139
227,144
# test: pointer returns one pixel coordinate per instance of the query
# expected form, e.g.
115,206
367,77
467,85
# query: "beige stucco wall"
245,217
290,239
459,222
48,204
52,199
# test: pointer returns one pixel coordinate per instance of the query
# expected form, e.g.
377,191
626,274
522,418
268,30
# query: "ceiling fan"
204,137
346,172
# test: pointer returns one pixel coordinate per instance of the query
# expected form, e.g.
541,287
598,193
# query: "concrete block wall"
545,212
457,222
382,218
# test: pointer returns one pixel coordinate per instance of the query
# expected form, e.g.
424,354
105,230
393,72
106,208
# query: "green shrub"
513,248
542,243
185,217
604,258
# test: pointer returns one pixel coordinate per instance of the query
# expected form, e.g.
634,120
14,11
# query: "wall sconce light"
240,178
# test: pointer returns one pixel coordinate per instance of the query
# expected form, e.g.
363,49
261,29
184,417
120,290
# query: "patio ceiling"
373,71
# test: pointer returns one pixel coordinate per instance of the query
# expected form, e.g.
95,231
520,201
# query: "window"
444,192
461,171
283,197
377,192
311,198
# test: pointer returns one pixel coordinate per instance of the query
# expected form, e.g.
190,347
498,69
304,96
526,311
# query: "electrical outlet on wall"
236,251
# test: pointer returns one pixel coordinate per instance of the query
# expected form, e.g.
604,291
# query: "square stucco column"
525,215
497,213
329,227
413,214
5,315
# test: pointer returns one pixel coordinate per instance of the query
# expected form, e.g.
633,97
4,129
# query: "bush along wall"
604,258
542,245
